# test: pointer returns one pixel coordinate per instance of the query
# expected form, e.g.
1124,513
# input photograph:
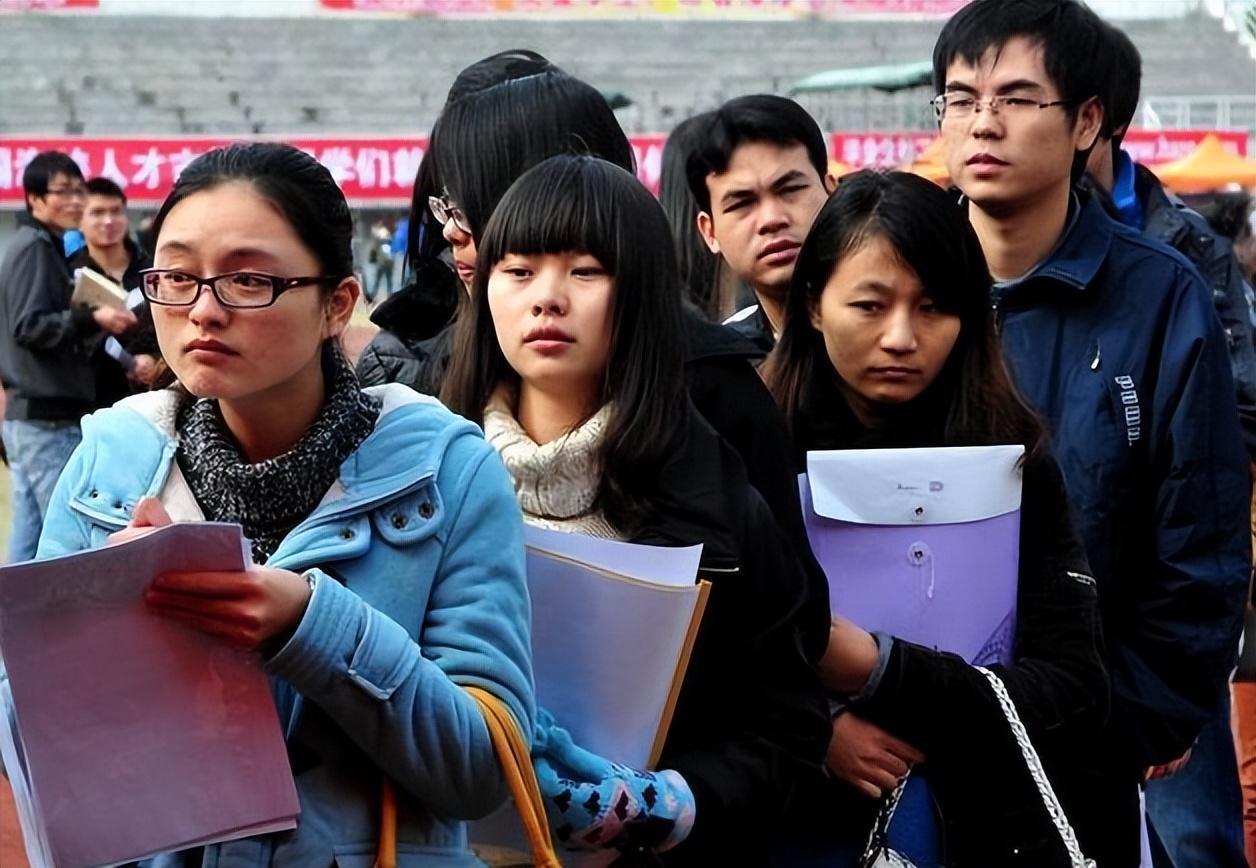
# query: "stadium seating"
120,75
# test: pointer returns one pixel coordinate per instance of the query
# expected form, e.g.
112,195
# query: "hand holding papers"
921,543
129,733
613,625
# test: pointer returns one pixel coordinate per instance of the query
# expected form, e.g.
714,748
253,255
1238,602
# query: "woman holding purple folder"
890,342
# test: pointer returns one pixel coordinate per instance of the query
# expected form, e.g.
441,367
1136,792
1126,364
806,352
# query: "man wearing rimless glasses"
1113,339
45,346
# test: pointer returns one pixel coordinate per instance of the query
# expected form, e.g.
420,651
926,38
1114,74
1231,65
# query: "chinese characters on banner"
653,8
891,150
371,171
380,171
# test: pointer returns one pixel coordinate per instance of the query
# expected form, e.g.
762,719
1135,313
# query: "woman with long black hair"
889,342
571,357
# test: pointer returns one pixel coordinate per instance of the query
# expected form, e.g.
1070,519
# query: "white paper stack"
124,733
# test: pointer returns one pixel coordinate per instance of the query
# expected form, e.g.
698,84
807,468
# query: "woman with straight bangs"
485,141
571,358
387,541
890,342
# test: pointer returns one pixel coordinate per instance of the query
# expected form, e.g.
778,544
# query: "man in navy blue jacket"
1197,813
1113,338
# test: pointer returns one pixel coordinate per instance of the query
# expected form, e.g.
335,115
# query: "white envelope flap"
915,486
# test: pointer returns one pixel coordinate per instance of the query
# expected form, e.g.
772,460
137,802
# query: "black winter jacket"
720,377
991,811
413,345
45,346
751,720
112,384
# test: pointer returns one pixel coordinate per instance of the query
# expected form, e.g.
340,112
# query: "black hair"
1121,89
296,184
703,275
507,65
1228,215
931,235
1073,39
485,140
426,241
580,203
42,168
105,187
754,118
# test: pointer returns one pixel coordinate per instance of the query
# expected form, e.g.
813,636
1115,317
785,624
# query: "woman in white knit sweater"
571,357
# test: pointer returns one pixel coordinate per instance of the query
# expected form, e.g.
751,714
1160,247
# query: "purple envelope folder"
922,544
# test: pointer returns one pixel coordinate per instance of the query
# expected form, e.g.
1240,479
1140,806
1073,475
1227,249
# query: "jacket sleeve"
732,398
1223,272
945,707
38,323
1170,657
64,532
401,700
755,721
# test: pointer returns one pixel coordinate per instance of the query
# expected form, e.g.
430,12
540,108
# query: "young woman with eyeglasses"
386,539
412,346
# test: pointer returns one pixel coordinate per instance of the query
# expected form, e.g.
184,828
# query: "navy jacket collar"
1080,254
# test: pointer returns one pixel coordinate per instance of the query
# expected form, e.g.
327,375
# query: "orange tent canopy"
931,163
1209,167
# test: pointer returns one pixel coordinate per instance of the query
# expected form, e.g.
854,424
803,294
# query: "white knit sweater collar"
557,483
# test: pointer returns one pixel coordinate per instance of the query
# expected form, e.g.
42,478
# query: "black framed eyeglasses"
77,191
239,289
444,211
961,106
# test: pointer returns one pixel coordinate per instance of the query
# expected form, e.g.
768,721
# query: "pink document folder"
134,735
922,544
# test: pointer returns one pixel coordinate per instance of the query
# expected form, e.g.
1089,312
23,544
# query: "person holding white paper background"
495,130
571,356
889,342
389,563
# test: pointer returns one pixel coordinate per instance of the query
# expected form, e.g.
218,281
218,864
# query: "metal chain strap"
878,838
1036,771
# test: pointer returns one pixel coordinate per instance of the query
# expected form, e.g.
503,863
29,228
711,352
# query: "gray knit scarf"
272,497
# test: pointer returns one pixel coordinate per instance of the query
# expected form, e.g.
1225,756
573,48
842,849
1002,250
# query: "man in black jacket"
45,346
121,365
1195,806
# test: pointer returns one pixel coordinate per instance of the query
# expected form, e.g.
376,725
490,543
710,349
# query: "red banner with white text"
890,150
708,9
46,5
371,171
379,171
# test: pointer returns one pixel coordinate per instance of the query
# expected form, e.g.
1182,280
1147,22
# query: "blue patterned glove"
593,803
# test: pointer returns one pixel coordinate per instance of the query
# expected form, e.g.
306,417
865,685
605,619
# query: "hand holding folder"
613,624
922,544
